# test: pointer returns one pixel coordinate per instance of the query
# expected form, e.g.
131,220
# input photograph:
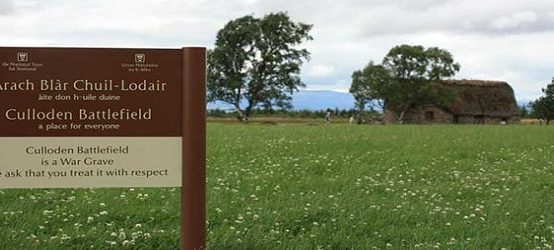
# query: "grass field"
322,187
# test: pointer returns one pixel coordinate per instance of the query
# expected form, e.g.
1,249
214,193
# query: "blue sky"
506,40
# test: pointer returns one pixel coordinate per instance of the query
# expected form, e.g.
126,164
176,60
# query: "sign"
82,117
90,118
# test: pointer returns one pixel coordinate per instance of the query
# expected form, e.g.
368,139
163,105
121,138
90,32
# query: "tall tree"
257,61
410,76
543,107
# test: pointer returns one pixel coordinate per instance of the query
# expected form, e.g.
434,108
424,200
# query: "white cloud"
517,20
506,40
6,7
422,4
320,70
341,85
525,61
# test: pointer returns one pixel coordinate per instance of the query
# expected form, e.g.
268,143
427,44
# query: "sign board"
82,117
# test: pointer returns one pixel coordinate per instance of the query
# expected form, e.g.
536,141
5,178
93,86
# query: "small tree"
408,78
523,112
543,107
257,61
370,86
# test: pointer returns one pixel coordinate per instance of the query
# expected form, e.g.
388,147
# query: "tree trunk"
241,116
405,109
247,113
400,118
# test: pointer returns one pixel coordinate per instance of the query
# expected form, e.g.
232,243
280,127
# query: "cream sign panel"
90,162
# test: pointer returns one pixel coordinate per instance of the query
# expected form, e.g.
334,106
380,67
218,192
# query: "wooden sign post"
92,118
193,192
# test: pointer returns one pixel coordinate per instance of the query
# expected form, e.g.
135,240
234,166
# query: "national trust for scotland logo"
22,57
140,58
140,64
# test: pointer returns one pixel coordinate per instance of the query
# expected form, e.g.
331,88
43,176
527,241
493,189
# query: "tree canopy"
370,84
543,107
408,77
257,61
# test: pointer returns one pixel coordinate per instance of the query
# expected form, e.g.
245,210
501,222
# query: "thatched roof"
476,97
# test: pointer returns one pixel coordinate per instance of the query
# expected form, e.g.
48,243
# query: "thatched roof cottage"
475,102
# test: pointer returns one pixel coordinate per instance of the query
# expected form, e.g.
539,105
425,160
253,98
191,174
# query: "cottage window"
429,115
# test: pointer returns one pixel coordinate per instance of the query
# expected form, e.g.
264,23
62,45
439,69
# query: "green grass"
326,187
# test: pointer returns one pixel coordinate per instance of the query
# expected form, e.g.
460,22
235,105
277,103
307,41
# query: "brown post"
193,191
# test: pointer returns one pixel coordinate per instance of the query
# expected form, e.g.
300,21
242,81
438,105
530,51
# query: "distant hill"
322,99
309,99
